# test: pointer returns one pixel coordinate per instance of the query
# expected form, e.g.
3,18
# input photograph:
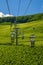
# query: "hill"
30,18
27,29
22,19
22,54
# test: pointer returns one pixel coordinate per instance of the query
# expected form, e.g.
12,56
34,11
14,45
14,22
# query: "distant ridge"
30,18
22,19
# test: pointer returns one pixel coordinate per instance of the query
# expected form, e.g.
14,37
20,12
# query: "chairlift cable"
8,11
19,7
28,7
8,6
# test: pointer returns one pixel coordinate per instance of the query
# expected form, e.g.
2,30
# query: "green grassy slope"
26,28
4,33
22,55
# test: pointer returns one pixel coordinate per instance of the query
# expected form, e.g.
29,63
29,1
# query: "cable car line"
28,7
19,7
9,14
8,6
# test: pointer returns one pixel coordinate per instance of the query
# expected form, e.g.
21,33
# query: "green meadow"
22,54
29,28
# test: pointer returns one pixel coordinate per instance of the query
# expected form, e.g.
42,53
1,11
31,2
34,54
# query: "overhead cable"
28,7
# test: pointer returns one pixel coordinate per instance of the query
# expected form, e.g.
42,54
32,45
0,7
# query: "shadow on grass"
5,43
9,44
21,45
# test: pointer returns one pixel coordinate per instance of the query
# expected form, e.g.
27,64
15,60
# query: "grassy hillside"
35,27
29,18
21,19
22,54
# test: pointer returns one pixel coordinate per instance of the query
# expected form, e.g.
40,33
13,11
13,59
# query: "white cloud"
8,15
3,15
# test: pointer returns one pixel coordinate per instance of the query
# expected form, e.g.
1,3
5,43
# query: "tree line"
22,19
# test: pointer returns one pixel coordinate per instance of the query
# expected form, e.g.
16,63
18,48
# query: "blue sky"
35,7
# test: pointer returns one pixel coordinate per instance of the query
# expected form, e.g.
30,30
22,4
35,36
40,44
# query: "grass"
27,29
22,54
